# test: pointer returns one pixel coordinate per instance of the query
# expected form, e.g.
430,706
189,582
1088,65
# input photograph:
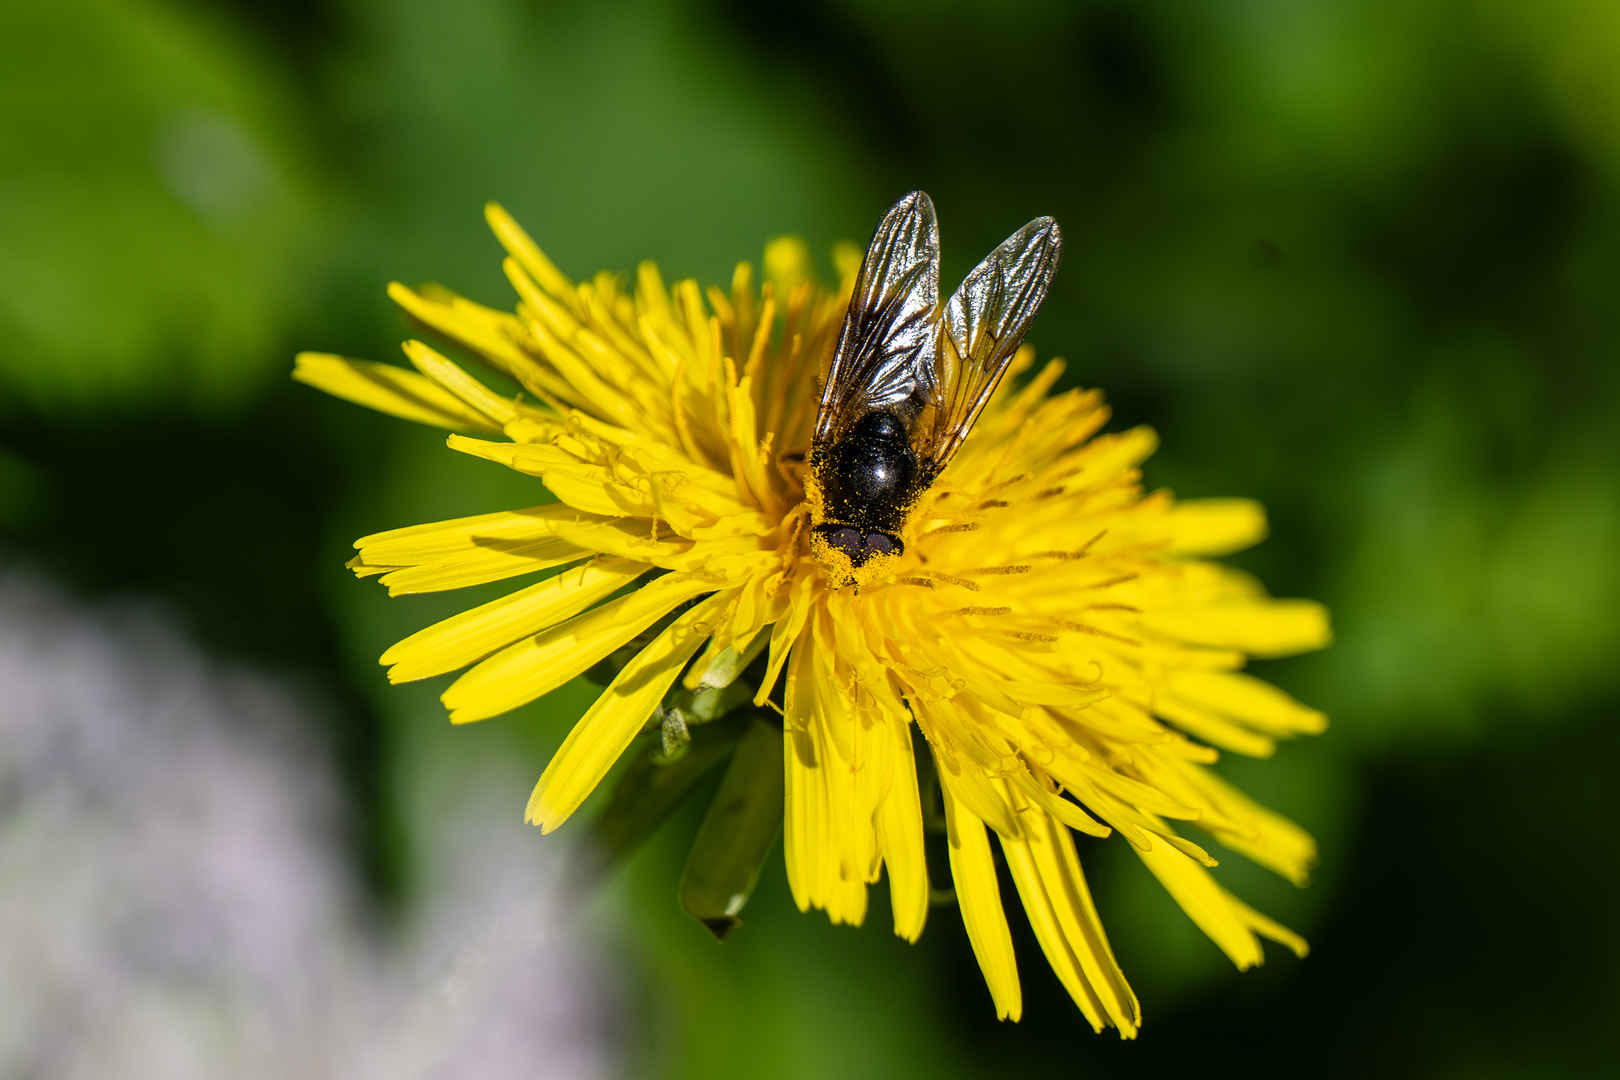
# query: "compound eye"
879,543
846,540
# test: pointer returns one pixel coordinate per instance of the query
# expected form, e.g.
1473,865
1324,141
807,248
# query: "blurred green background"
1357,258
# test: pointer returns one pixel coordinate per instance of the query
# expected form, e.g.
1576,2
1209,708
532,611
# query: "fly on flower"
905,384
1064,641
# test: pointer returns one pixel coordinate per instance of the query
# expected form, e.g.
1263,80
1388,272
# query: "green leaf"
710,704
654,785
737,831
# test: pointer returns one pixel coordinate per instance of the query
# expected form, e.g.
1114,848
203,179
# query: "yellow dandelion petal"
1046,873
488,333
1246,700
466,551
1231,924
473,635
1056,634
538,665
526,251
979,893
391,390
601,736
900,833
1215,526
449,375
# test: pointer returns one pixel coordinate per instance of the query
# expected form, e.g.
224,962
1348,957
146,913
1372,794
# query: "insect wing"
985,322
885,352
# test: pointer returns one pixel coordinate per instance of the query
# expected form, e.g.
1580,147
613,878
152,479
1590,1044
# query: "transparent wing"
985,322
885,352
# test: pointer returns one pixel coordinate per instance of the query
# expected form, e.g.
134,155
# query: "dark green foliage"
738,831
651,788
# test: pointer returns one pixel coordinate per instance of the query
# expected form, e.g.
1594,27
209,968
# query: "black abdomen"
869,480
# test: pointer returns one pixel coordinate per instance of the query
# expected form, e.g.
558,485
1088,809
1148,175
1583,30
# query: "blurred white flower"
175,903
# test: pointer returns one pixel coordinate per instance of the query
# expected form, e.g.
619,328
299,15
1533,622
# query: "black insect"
908,380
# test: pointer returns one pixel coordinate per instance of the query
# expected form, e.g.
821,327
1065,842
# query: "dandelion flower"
1056,636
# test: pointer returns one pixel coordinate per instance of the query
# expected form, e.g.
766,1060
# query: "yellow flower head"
1055,635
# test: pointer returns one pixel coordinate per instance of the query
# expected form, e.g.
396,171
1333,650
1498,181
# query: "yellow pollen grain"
950,579
1069,624
1005,484
1111,582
